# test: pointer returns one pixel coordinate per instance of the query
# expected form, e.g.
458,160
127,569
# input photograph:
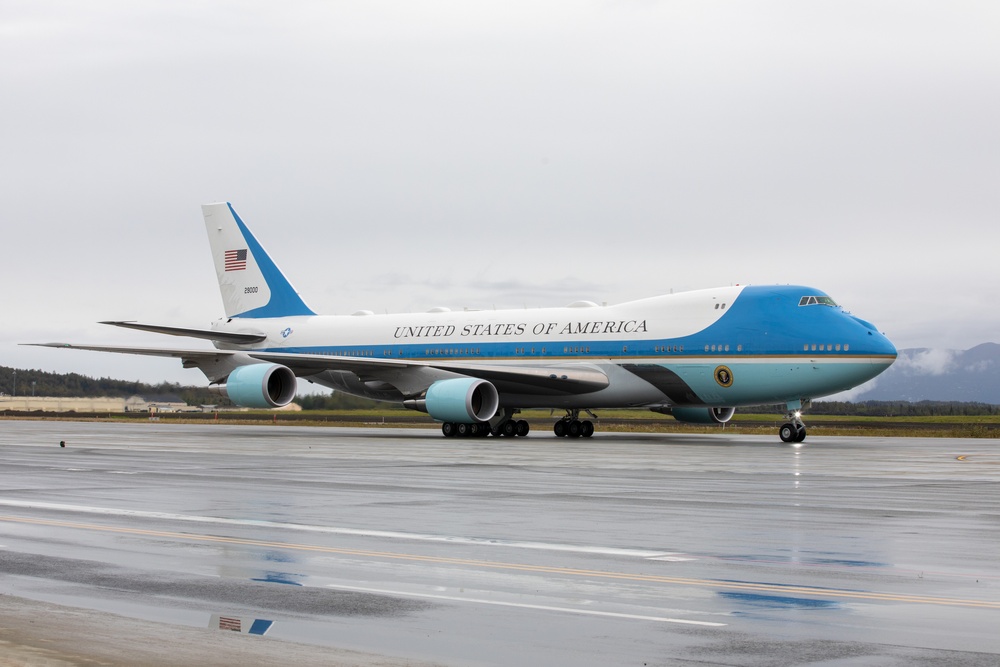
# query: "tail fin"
251,283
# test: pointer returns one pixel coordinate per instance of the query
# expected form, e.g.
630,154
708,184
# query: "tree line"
887,409
62,385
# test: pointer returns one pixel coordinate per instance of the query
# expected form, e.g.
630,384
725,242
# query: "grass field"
638,421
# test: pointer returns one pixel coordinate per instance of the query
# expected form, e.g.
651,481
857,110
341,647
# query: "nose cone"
888,349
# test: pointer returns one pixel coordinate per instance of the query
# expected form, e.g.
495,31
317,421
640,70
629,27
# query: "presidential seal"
724,376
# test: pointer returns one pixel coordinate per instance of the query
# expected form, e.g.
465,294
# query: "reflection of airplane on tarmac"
695,355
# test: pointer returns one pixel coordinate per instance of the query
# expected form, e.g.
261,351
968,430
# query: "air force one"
696,356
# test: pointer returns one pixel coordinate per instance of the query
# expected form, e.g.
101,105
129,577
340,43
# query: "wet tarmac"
622,549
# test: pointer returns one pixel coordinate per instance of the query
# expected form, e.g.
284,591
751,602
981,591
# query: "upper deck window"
817,301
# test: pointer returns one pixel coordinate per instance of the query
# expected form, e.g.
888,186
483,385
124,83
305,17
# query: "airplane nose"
890,349
881,345
876,342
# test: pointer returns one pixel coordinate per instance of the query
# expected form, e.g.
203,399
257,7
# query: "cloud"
927,362
984,366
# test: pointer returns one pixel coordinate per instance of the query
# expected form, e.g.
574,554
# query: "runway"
398,543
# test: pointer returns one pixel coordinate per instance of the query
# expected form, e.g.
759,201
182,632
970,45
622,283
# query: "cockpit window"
817,301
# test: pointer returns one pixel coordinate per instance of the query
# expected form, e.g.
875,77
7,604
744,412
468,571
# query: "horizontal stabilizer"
207,334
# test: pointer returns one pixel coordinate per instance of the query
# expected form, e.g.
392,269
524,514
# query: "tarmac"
155,544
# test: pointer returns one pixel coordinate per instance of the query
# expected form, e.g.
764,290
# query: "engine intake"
259,386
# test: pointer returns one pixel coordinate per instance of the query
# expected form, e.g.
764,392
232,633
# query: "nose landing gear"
793,430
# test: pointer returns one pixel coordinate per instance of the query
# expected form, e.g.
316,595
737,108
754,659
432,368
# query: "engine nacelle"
259,386
703,415
462,400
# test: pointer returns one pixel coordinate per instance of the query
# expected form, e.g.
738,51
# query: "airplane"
696,356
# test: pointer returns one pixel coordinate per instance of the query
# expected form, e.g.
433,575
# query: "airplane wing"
194,355
557,379
217,364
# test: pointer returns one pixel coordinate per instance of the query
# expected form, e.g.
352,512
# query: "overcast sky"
397,156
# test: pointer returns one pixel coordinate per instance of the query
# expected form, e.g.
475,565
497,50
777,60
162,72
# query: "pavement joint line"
541,569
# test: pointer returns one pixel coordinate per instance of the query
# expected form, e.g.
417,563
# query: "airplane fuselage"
731,346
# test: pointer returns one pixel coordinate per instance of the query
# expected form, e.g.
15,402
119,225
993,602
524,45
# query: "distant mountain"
922,374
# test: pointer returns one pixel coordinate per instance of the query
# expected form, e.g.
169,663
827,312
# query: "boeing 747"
696,356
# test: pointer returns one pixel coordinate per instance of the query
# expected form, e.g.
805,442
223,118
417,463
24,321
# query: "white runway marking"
539,607
359,532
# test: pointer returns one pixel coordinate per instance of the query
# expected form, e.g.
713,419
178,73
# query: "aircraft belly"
717,382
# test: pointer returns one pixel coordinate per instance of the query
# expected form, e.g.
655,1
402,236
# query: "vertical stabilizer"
251,283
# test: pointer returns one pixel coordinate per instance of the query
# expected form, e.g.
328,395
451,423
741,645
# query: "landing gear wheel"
509,428
463,429
800,433
560,428
587,428
575,429
789,432
522,428
448,429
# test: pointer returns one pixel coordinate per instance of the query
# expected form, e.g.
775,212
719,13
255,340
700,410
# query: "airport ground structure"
138,403
99,405
62,404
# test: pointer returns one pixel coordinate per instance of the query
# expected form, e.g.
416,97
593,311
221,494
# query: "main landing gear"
793,430
570,426
503,425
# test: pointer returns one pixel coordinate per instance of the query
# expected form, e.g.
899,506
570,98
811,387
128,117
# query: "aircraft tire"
522,428
462,429
509,428
788,432
575,429
800,434
448,429
587,428
560,428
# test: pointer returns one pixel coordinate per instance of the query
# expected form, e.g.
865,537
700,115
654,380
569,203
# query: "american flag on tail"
229,623
236,260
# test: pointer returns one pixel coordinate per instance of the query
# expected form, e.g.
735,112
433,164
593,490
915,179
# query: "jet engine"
461,400
702,415
259,386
